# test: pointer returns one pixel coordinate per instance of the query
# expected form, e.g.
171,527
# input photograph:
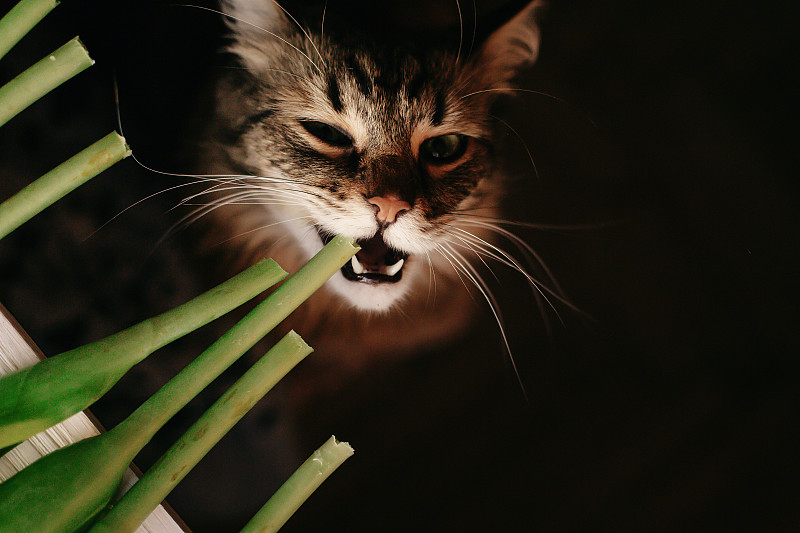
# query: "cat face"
390,147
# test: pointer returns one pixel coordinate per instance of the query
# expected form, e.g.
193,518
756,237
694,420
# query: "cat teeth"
391,270
388,270
358,268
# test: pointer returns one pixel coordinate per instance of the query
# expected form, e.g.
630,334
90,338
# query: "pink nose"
389,207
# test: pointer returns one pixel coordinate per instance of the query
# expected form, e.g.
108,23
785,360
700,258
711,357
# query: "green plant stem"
79,480
20,20
66,177
43,77
296,490
126,515
242,336
60,492
35,398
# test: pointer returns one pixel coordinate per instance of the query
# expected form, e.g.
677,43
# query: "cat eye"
327,133
444,148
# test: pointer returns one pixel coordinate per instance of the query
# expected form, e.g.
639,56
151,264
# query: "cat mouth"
375,263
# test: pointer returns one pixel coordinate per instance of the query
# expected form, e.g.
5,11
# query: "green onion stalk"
65,489
35,398
66,177
127,514
20,20
296,490
43,77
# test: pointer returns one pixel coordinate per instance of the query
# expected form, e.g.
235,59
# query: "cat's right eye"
327,133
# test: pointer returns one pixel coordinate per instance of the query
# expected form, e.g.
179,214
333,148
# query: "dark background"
665,160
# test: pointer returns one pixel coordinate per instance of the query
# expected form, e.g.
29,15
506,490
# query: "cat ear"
512,47
256,25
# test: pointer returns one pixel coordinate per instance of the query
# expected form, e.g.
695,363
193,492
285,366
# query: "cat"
315,134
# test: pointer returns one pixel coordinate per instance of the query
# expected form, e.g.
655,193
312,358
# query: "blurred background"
665,175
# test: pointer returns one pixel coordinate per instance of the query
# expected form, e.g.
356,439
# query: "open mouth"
375,263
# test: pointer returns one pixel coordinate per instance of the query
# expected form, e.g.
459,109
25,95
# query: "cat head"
390,146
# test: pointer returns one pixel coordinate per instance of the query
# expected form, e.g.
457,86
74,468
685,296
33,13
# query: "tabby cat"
316,134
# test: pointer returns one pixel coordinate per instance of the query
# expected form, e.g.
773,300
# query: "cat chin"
377,298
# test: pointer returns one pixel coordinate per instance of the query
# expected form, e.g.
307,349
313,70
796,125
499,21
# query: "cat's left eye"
327,133
444,148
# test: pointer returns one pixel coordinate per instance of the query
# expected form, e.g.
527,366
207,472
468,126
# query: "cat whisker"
148,197
521,245
459,262
298,192
264,200
532,225
514,89
538,295
257,194
245,181
432,278
457,271
254,201
200,178
298,76
272,34
537,287
460,31
217,188
474,28
466,210
211,206
322,24
241,198
524,144
504,258
302,29
265,197
466,243
307,194
196,215
260,228
539,93
221,188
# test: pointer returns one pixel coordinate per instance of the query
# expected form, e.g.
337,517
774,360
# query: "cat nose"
389,207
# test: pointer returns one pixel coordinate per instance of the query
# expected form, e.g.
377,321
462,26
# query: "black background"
665,161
